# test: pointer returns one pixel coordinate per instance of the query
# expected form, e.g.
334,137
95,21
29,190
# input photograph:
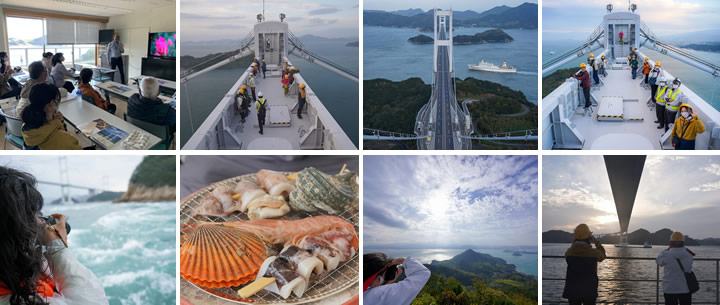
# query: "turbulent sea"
130,247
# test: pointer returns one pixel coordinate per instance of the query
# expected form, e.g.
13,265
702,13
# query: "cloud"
706,187
450,200
323,11
713,169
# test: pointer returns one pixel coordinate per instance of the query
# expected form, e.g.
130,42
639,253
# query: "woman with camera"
35,265
382,283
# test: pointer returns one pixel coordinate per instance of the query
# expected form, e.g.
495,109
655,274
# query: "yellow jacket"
694,126
50,136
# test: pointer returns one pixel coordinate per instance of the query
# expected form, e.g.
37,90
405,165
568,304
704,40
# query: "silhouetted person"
581,280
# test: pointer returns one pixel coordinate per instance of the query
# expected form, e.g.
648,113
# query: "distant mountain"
20,42
471,266
637,237
105,196
408,12
421,39
353,44
708,47
710,242
522,16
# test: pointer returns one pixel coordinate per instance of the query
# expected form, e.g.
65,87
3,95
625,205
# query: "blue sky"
202,20
474,5
450,201
676,192
84,170
564,19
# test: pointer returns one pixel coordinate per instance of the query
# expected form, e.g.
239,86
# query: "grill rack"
321,286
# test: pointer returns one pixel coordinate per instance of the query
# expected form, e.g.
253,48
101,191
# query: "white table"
163,82
78,112
112,88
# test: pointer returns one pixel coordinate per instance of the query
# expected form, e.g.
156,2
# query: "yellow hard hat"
677,236
592,55
302,85
685,105
634,48
628,56
646,58
242,90
294,68
657,63
243,86
582,65
255,57
286,76
582,231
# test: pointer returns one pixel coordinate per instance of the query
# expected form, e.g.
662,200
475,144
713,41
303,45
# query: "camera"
50,220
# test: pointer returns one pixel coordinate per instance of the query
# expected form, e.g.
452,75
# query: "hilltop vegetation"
489,36
477,278
155,171
393,106
555,79
187,61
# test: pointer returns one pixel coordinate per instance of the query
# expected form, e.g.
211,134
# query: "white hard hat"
260,94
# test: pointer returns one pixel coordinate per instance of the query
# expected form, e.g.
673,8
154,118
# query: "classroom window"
25,40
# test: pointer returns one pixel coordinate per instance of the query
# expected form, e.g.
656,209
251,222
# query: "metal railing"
657,280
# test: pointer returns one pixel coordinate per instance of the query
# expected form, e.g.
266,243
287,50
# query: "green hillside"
155,171
555,79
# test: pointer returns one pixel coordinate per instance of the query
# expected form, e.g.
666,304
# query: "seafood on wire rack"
309,190
217,256
312,245
318,191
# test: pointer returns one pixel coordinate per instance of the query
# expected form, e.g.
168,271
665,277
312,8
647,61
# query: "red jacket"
585,78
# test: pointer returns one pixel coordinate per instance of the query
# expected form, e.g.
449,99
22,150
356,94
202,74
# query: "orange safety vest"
45,288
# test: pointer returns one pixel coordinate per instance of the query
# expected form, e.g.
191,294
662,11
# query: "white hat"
260,94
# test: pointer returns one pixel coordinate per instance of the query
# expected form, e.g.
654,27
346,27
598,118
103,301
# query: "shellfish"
315,190
217,256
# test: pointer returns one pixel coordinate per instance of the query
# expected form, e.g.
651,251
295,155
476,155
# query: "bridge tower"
626,22
443,23
624,173
271,39
64,180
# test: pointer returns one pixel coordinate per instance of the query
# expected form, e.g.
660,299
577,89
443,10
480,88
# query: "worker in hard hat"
676,260
261,106
603,63
656,76
301,100
686,128
646,70
292,73
594,66
674,97
251,82
254,69
264,67
660,103
634,66
242,103
584,77
581,280
285,82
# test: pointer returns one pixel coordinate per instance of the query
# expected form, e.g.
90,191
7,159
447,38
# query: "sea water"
525,263
627,291
700,82
130,247
339,95
387,54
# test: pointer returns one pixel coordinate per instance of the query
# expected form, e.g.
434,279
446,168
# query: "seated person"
87,90
38,75
59,72
146,106
42,123
9,87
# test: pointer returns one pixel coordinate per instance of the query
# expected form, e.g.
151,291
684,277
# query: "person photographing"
392,281
581,280
36,267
